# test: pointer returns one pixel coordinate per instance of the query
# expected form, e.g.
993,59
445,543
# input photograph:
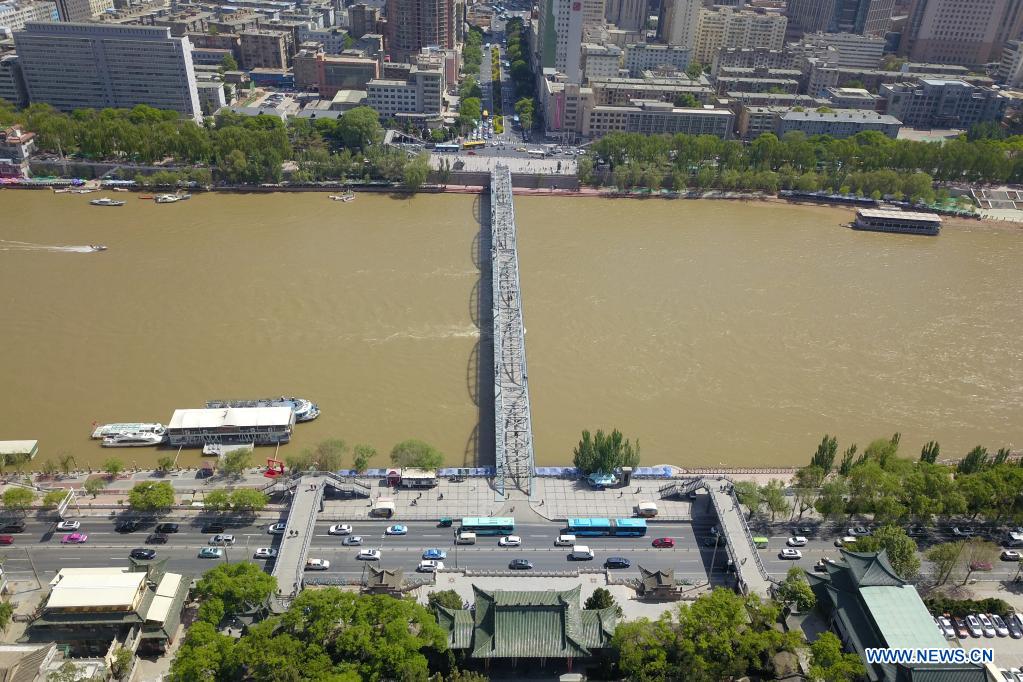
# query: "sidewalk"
474,497
558,498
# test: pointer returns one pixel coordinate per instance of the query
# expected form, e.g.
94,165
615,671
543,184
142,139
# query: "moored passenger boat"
305,410
903,222
122,428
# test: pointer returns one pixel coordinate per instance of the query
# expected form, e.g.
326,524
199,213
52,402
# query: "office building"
853,98
851,50
12,82
327,74
678,21
938,103
362,19
264,49
621,91
94,66
654,118
727,28
736,79
82,10
601,61
415,24
864,17
640,57
628,15
967,32
837,123
419,97
1010,70
563,26
14,14
334,40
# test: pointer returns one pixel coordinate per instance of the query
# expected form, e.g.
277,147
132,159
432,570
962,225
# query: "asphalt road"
39,551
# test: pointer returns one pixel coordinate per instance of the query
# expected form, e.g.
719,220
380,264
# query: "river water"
713,332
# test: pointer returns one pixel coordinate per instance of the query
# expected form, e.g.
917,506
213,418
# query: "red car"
6,539
664,542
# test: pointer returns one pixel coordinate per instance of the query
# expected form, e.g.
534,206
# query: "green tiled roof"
521,624
901,617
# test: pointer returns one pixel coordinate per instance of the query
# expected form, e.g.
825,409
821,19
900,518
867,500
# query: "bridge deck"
294,548
753,577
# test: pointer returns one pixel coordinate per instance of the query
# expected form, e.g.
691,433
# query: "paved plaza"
560,498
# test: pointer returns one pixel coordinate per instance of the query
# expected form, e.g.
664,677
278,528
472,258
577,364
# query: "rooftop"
845,115
898,215
231,416
102,588
18,447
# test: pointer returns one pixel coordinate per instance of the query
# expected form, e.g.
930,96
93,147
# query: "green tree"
828,663
248,500
845,466
901,549
977,552
446,598
975,460
796,590
831,503
944,559
774,498
151,496
362,454
54,497
416,453
329,454
602,599
930,452
67,462
6,613
202,655
94,485
228,63
113,466
165,464
235,462
217,500
695,70
824,458
808,481
748,494
239,586
120,666
686,100
470,110
212,611
416,172
359,127
605,453
18,499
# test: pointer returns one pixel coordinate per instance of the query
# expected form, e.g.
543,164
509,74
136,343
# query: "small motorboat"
63,190
97,247
146,196
346,197
106,201
120,189
82,191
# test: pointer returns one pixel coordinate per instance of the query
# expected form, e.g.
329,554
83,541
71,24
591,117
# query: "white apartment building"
727,28
94,66
852,51
601,61
640,57
677,22
420,96
14,14
82,10
332,39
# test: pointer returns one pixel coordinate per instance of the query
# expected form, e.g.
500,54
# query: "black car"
617,562
129,526
143,553
214,528
13,527
520,564
167,528
156,539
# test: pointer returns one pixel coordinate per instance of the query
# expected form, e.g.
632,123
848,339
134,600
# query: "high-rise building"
14,14
95,66
562,26
628,15
942,103
967,32
415,24
865,17
677,22
82,10
725,27
265,49
362,19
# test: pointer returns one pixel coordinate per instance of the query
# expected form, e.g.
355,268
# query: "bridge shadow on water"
479,374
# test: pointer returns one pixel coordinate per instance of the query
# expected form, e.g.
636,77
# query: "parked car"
143,553
789,553
69,525
213,527
1001,629
265,553
986,626
211,553
222,540
946,627
916,531
1015,630
167,528
664,542
847,540
1011,555
435,554
974,626
429,566
369,555
797,541
962,632
340,529
858,531
74,539
317,565
397,529
352,540
277,529
510,541
156,539
964,532
520,564
617,562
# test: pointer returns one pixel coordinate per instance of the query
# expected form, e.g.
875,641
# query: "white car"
847,540
69,525
946,627
340,529
790,554
796,541
510,541
265,553
352,540
369,555
1001,629
1011,555
973,625
430,566
317,565
277,529
986,626
222,540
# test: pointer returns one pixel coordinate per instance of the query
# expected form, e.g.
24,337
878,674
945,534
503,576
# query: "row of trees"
522,76
866,163
880,483
605,453
331,455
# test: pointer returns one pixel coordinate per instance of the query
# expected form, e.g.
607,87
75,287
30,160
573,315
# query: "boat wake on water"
8,245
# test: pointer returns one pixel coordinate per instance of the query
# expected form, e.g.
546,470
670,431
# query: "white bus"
537,153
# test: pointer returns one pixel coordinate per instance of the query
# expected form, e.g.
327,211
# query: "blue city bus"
625,528
589,527
621,528
488,526
447,147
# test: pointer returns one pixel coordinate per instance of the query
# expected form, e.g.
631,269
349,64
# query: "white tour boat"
122,428
305,410
106,201
132,440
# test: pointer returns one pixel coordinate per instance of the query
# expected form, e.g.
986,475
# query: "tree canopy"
237,586
796,590
829,663
901,549
605,453
151,496
416,453
18,499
